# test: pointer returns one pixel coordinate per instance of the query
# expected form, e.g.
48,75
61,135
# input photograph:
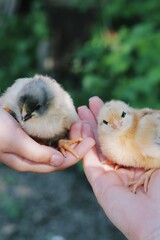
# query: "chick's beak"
116,124
25,118
24,115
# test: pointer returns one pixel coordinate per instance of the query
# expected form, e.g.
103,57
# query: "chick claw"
64,145
110,164
144,180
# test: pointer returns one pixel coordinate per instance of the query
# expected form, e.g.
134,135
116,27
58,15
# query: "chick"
130,137
44,110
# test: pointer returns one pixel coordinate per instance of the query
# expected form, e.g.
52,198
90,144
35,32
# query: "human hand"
22,153
136,215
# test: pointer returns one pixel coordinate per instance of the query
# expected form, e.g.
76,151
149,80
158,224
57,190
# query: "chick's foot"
65,145
143,180
7,109
107,163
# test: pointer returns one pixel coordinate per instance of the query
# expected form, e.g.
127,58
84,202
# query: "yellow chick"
130,137
44,110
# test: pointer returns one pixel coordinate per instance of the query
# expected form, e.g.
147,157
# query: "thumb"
29,149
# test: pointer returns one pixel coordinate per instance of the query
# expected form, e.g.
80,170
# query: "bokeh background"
108,48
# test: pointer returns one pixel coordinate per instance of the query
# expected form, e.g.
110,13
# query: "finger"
153,187
81,149
76,130
81,129
19,143
87,130
27,148
86,115
25,165
84,130
95,104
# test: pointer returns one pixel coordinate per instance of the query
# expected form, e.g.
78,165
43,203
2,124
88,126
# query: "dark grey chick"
43,108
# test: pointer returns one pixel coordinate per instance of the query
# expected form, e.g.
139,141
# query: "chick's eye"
123,114
105,122
38,106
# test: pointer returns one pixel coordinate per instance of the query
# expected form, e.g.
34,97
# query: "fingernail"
56,160
94,97
82,107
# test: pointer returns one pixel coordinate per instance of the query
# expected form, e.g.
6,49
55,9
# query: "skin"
136,215
22,153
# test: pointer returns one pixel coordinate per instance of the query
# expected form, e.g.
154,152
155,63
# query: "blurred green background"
108,48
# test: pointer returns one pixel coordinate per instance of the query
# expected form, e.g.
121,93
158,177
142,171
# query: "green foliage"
121,58
81,5
20,35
